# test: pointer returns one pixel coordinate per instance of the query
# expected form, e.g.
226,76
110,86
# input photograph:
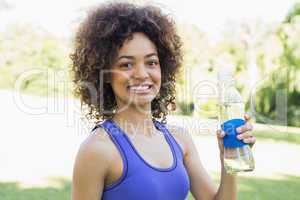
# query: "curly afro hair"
96,44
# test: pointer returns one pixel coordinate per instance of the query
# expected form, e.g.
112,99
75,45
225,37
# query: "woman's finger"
244,135
220,134
250,140
247,117
246,127
220,141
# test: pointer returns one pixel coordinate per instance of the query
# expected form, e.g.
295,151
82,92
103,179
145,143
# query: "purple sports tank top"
140,180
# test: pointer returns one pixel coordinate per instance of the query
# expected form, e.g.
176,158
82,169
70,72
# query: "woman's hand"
244,134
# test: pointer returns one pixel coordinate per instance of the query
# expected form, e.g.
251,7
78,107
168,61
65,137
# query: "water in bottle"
237,154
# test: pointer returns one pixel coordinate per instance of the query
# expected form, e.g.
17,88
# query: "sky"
211,16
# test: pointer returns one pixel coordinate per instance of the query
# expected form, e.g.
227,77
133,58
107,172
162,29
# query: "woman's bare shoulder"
97,148
181,135
98,143
92,165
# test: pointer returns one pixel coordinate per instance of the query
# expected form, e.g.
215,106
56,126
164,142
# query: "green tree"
24,48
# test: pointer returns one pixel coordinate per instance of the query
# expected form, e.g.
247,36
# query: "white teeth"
139,87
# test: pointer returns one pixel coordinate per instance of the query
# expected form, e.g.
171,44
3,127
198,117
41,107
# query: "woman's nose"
140,72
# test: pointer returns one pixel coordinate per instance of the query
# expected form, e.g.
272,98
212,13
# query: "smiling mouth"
140,89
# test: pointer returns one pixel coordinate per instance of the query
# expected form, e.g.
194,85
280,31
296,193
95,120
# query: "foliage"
272,50
32,57
186,108
283,76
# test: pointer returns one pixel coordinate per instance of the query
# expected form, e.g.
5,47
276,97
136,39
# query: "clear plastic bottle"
238,156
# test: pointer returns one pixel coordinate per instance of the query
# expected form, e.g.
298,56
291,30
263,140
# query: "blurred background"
42,125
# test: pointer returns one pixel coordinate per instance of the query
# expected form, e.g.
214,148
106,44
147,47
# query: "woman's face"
136,73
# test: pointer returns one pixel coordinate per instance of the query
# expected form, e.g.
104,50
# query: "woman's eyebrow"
128,57
132,57
151,54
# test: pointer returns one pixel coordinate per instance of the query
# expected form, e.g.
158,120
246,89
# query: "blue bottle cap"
229,127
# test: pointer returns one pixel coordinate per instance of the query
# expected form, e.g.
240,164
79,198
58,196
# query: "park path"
40,138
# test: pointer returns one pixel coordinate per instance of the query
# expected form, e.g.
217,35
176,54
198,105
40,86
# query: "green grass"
13,191
285,187
292,138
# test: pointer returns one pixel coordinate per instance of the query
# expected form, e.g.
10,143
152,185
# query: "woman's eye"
126,65
153,63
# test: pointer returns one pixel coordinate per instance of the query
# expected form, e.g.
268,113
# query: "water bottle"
237,154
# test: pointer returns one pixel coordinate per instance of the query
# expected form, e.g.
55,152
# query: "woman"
125,62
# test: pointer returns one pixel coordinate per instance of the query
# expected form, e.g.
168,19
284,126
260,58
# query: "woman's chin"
142,101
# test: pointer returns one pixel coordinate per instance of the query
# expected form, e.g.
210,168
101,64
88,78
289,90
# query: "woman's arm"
202,187
90,169
228,186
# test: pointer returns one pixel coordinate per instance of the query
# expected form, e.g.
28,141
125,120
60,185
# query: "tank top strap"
175,145
130,159
117,137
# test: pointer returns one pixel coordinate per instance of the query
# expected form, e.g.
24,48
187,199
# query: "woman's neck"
135,121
